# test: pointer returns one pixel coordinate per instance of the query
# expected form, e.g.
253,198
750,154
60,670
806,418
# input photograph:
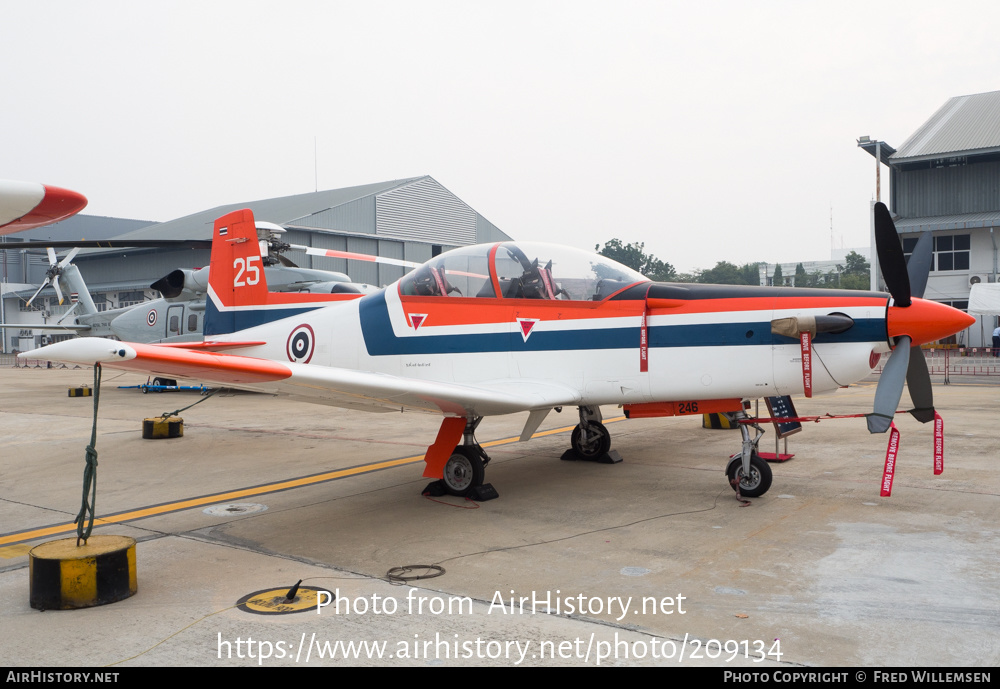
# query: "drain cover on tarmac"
273,601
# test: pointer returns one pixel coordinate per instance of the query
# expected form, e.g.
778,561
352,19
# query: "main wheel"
757,482
463,471
597,443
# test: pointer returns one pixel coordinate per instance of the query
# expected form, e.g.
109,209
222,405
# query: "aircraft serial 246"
518,326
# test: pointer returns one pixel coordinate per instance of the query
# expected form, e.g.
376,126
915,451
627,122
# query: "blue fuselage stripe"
381,340
226,322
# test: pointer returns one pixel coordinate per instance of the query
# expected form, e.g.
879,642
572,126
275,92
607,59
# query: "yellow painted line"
14,551
167,508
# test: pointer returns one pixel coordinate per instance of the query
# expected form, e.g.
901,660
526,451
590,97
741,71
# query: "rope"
168,414
89,471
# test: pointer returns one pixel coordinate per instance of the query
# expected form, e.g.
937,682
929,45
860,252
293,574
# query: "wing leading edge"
318,384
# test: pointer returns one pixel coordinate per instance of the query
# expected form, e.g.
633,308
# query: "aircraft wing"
319,384
24,205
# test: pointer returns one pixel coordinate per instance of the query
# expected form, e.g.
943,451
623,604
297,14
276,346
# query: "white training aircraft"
519,326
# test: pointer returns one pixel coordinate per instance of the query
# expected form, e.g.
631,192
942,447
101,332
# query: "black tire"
759,480
598,445
463,471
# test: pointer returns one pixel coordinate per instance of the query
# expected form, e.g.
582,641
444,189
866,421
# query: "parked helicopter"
178,315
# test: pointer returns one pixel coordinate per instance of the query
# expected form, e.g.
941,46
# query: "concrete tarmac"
648,562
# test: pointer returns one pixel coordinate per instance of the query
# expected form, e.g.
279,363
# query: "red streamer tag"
938,444
643,344
890,461
807,378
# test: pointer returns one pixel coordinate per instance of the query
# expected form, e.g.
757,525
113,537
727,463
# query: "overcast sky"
710,131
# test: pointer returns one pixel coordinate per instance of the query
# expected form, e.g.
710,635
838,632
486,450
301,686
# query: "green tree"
855,281
750,273
801,277
726,273
857,264
857,274
778,280
635,257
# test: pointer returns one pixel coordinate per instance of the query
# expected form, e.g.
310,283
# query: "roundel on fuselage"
151,318
300,345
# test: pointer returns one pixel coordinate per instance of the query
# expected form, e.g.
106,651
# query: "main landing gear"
466,468
590,440
748,474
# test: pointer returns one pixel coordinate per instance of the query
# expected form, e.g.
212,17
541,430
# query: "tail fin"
72,278
236,276
237,269
238,297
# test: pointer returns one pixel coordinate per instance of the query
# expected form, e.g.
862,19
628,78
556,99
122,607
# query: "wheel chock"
65,576
718,422
81,392
158,427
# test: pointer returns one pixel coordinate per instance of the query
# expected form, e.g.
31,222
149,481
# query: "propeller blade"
918,382
55,283
890,256
287,262
44,283
919,266
890,387
69,257
68,313
52,255
334,253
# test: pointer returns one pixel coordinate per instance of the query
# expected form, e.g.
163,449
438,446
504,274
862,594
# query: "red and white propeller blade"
350,255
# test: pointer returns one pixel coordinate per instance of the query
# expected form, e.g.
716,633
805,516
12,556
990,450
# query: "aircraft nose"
926,321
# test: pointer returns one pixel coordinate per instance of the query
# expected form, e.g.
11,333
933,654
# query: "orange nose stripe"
926,321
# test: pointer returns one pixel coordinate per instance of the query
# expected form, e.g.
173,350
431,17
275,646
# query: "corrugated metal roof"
79,227
964,221
282,211
963,125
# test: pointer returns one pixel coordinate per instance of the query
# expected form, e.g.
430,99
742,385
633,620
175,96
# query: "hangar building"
946,178
411,219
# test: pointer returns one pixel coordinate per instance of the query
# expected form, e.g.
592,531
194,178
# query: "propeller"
907,364
55,270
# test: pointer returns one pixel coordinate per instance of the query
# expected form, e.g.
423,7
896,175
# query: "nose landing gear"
748,474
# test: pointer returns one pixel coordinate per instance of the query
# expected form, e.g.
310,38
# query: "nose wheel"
753,483
748,474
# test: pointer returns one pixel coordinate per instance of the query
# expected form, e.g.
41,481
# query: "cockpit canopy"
519,270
